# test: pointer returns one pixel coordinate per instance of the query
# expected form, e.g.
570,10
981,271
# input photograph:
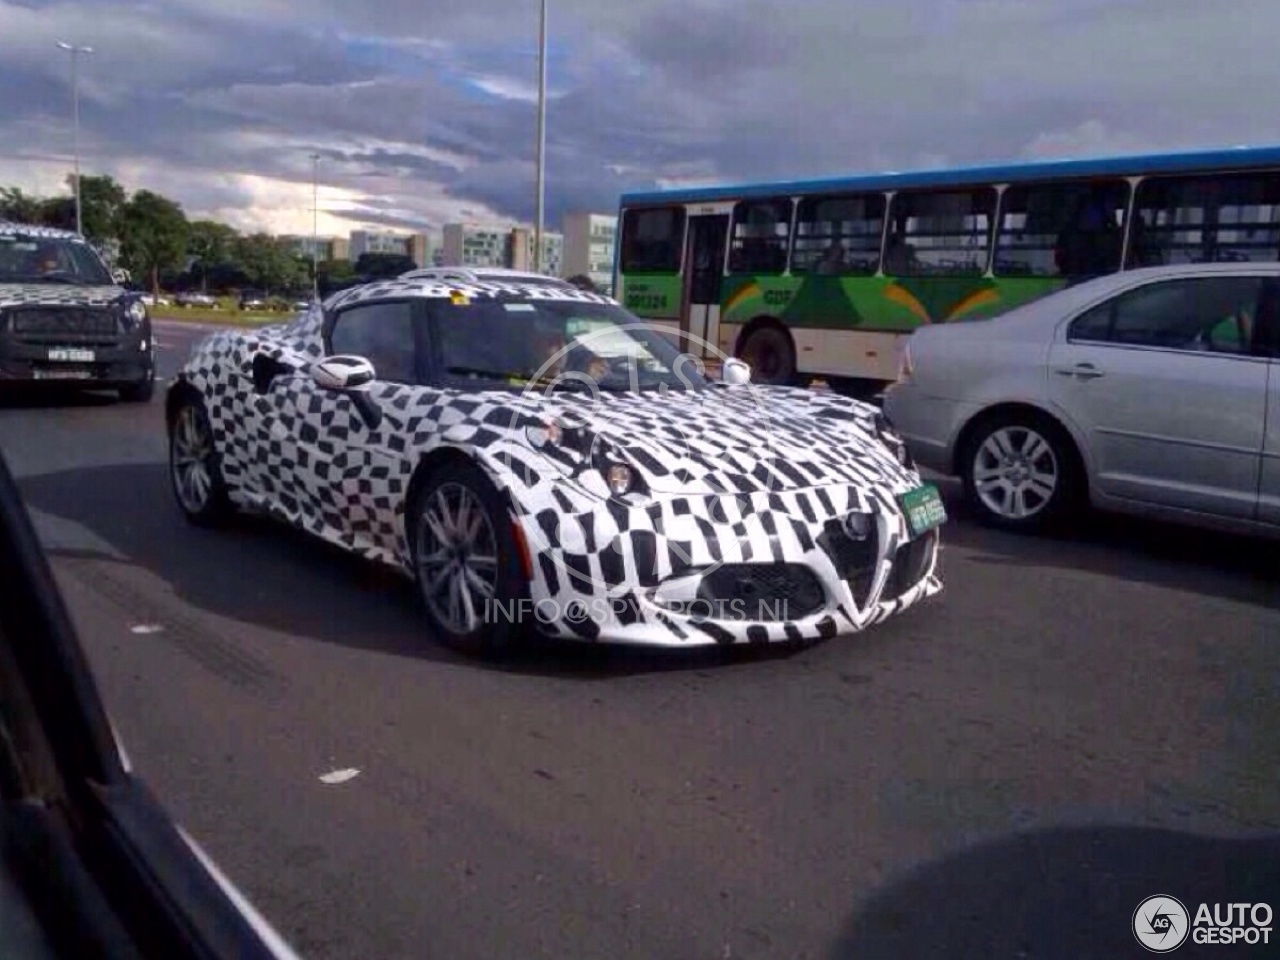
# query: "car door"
1162,381
349,464
1267,344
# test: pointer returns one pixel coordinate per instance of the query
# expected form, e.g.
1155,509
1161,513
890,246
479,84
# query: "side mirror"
121,276
350,376
735,372
342,373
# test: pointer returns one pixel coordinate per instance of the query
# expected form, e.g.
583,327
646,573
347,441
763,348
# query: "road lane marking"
339,776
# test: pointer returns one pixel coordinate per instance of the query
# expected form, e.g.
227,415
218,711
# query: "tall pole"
542,138
75,124
315,228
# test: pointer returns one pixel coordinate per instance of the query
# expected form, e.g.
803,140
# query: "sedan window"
1201,314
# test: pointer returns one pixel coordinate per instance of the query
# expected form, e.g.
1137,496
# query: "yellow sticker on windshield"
458,298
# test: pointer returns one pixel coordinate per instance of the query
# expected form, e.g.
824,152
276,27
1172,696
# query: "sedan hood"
722,440
58,294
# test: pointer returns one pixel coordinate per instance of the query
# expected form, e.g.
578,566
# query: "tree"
59,212
102,202
214,245
153,236
18,206
334,275
269,263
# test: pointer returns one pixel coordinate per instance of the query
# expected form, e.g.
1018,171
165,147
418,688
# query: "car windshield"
516,341
35,259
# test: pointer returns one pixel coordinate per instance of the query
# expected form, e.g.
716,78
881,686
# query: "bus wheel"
769,352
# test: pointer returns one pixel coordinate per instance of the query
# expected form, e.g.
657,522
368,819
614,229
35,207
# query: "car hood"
58,294
721,440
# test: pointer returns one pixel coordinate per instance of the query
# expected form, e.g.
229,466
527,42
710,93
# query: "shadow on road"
1062,894
34,398
265,574
1129,548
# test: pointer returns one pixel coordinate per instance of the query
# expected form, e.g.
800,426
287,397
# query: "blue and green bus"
823,279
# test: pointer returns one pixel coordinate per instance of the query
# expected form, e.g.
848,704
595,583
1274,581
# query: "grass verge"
231,318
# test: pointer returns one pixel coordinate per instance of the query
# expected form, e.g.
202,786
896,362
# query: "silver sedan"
1152,391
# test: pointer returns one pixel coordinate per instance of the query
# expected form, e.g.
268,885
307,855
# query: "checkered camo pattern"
59,295
733,474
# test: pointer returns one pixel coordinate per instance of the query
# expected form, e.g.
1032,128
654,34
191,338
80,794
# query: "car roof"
432,288
10,228
506,274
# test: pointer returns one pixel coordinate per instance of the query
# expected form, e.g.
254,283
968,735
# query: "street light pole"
75,52
542,138
315,228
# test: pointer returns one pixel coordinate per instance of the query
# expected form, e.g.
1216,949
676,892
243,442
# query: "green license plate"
923,508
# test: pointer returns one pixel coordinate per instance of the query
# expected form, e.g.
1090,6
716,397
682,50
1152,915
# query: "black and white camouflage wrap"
731,474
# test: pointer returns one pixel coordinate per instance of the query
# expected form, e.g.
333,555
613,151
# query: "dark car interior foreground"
91,866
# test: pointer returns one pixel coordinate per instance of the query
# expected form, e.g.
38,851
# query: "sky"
424,111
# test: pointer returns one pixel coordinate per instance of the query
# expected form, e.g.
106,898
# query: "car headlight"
134,313
620,478
884,433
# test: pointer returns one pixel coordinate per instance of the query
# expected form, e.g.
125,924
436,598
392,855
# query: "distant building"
474,245
415,246
521,251
588,247
326,248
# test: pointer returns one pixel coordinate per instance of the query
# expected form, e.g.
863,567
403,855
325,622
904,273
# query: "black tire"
140,392
769,352
1056,453
857,388
214,508
501,624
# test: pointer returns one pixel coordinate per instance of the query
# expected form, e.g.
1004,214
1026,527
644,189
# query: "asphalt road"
1004,772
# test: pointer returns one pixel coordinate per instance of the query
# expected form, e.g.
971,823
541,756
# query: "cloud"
423,112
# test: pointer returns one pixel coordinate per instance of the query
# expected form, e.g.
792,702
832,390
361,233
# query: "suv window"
1215,314
382,333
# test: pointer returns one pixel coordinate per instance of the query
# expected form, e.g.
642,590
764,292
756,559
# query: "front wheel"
467,563
1020,472
194,469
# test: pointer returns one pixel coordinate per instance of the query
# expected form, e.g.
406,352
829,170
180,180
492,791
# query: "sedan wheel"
1020,473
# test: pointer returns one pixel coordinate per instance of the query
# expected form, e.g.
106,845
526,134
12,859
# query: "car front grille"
855,560
762,591
910,564
64,324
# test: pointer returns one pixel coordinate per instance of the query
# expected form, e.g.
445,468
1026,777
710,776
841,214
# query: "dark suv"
65,320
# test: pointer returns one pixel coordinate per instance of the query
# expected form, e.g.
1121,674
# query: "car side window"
382,333
1211,314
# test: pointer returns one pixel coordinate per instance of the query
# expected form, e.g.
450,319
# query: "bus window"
761,229
1206,219
1061,229
839,235
652,240
939,233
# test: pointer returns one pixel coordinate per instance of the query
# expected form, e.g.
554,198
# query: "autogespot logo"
612,436
1161,923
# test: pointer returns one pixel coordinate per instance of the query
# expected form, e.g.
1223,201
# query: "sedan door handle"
1083,371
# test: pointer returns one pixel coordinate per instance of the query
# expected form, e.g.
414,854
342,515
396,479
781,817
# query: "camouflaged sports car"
537,457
